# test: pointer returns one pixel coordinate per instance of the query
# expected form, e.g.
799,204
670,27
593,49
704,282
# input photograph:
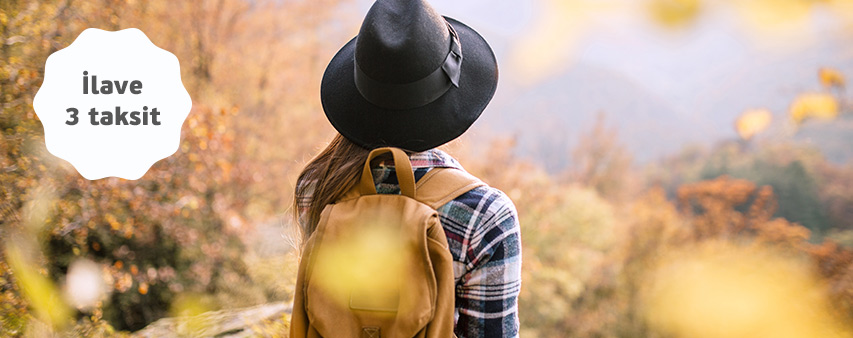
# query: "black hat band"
419,92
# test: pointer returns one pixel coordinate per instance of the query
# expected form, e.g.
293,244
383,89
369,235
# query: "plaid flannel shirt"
483,234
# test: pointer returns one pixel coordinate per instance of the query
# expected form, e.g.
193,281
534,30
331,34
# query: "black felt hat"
411,78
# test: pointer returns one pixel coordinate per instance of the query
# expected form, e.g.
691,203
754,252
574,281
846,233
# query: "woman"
415,80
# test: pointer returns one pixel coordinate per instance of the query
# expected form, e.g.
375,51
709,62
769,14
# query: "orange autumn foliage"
713,206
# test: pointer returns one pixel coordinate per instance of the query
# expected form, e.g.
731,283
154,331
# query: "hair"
331,175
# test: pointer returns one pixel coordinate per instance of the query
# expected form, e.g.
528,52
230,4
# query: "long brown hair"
331,174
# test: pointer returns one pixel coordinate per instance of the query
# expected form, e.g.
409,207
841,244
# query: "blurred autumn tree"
800,176
796,187
601,161
588,261
732,208
250,67
723,210
809,188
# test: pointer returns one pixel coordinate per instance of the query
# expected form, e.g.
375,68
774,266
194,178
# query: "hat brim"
416,129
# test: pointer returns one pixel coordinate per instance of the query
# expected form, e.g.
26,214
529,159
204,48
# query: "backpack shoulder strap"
441,185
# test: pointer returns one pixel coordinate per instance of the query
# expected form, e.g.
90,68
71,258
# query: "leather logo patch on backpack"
370,332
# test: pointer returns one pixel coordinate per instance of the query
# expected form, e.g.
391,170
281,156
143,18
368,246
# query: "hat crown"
401,41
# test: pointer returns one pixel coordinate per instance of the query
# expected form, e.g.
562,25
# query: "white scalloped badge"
112,104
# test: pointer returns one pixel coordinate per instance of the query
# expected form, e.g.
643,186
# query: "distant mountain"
550,117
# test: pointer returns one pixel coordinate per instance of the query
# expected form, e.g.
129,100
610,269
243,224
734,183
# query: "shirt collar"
433,158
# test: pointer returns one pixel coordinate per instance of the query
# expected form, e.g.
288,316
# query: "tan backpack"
378,265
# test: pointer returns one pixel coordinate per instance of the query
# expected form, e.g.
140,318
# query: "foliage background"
614,245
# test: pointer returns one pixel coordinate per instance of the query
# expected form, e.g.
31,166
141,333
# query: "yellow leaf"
723,290
39,291
752,122
814,105
187,307
774,17
831,78
555,35
674,13
347,268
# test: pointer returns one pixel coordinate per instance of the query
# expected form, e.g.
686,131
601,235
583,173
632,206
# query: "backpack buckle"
370,332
